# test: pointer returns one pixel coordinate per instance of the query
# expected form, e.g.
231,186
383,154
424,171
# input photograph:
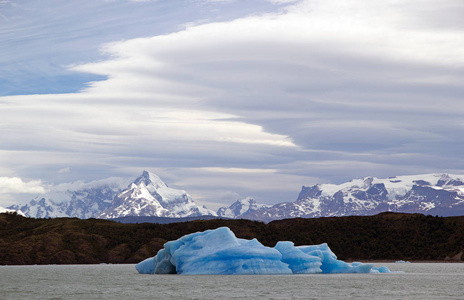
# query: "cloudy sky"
228,99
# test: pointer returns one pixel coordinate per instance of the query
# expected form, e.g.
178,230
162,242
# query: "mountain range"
431,194
149,196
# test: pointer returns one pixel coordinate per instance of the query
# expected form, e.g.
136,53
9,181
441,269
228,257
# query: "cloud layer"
16,185
320,91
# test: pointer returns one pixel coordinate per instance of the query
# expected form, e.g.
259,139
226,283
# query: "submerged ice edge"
220,252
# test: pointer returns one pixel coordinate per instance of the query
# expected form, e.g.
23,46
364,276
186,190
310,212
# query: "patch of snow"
7,210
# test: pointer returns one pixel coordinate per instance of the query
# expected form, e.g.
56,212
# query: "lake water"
419,281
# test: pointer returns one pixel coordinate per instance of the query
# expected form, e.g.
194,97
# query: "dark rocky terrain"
386,236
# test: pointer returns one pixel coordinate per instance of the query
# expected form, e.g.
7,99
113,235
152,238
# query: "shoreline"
379,261
406,261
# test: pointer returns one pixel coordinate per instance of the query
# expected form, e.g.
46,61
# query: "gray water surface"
419,281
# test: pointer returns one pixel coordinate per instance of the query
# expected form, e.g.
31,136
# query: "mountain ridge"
437,194
148,195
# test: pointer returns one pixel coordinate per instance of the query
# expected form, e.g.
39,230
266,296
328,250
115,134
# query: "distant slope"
241,209
81,203
435,194
387,236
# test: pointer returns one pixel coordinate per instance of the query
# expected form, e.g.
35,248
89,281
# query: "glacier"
220,252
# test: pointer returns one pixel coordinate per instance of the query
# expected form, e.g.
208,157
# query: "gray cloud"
257,106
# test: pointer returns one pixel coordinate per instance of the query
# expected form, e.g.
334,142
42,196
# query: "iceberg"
402,262
220,252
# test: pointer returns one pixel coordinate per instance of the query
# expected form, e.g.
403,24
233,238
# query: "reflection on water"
419,281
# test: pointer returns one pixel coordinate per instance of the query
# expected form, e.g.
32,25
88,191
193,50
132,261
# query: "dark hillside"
388,236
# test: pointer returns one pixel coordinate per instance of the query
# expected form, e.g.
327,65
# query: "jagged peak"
448,179
150,179
240,207
368,181
445,176
249,200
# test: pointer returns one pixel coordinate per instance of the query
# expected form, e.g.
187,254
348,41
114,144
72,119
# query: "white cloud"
216,1
64,170
117,182
284,1
9,185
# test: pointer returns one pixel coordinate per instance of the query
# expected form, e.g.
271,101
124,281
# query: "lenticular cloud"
219,252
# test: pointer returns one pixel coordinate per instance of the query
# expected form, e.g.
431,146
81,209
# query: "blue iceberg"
219,252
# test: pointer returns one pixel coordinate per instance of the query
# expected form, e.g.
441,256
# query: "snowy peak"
436,194
150,180
42,208
396,186
89,202
81,203
150,186
447,180
240,209
148,195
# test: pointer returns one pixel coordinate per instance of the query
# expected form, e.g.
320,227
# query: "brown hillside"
387,236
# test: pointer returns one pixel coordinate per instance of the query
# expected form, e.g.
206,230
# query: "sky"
228,99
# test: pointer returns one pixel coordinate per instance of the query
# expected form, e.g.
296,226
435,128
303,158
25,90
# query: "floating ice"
402,262
219,252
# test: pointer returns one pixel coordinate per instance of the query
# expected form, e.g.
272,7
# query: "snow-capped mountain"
435,194
90,202
82,203
148,195
41,208
241,209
